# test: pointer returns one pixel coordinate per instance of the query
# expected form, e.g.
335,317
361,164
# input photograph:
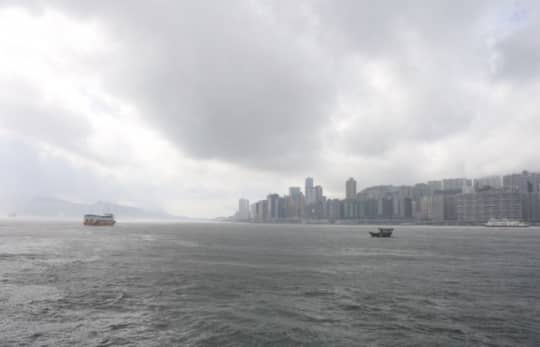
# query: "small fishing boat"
383,232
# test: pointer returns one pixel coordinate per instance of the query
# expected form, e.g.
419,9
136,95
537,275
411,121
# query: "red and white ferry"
99,220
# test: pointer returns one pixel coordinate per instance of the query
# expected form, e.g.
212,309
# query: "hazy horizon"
188,106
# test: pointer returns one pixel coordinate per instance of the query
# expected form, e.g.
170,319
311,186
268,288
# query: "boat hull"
383,232
100,223
505,223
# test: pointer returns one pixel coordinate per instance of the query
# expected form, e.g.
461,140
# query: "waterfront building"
282,207
439,207
308,192
492,203
494,182
387,206
432,207
351,209
253,212
261,211
295,192
243,209
524,182
294,208
334,208
318,194
456,184
450,207
372,207
406,206
377,192
531,207
295,204
419,190
273,207
264,214
435,185
350,189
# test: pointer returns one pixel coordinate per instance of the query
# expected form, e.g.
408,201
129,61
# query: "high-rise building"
243,209
531,207
318,194
525,182
309,190
260,211
273,206
295,203
438,207
488,182
456,184
491,203
294,207
350,189
435,185
350,208
334,209
407,209
295,192
387,206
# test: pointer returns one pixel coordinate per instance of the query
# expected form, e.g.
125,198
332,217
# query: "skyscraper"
318,194
488,181
524,182
491,203
273,206
309,190
456,184
295,192
435,185
243,209
350,189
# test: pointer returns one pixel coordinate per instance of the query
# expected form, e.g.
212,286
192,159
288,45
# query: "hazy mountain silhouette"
52,207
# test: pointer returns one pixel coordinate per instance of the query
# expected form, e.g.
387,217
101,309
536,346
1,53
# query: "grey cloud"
239,82
226,81
518,53
25,111
256,83
27,173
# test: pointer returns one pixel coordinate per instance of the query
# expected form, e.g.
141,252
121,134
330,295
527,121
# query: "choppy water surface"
62,284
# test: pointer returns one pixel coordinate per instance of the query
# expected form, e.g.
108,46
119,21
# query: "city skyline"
514,196
495,180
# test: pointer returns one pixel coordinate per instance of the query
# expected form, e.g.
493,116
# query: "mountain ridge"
43,206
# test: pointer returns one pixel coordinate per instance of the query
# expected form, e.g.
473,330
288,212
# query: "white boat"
505,223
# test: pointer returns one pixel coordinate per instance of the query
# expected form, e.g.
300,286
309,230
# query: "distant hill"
52,207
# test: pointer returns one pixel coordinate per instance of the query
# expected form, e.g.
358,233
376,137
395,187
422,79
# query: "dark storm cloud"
247,82
224,80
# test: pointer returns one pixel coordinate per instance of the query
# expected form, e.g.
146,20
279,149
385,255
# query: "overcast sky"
189,105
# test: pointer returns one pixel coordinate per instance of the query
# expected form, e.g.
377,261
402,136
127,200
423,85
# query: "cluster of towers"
453,200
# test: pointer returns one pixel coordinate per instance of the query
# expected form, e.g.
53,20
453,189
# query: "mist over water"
63,284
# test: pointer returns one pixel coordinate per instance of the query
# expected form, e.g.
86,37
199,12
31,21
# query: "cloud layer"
191,104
